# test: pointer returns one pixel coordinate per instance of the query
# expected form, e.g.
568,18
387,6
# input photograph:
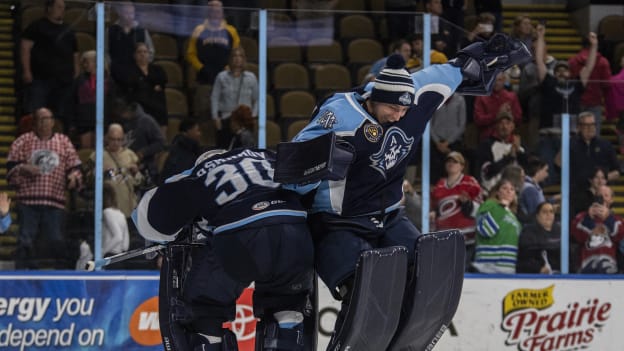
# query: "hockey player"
384,122
258,234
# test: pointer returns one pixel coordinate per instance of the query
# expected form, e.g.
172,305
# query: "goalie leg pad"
373,313
433,292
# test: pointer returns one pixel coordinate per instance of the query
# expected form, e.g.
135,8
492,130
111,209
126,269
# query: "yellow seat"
177,103
31,14
165,47
331,78
296,104
174,73
85,41
356,26
284,49
290,76
273,134
324,51
295,127
250,45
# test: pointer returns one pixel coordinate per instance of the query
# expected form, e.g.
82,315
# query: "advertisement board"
104,311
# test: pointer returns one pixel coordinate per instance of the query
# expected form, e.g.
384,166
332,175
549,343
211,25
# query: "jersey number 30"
239,176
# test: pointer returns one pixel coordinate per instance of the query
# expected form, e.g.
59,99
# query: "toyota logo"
244,325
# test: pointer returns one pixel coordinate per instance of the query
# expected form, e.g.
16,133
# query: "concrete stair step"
564,47
6,63
508,23
7,72
7,138
8,100
7,45
8,128
6,37
7,81
548,15
562,31
7,90
6,54
7,119
563,40
7,110
534,7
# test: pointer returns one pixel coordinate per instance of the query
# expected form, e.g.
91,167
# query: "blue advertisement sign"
72,311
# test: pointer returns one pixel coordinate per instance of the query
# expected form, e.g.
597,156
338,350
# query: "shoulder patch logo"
327,120
405,99
373,132
395,148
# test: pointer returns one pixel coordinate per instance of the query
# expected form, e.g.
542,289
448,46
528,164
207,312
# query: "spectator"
115,233
482,31
532,194
440,29
501,149
598,231
563,96
5,215
447,128
184,149
233,87
523,30
597,87
454,201
144,83
530,96
415,62
588,151
123,36
495,7
42,165
143,136
615,97
208,52
83,121
453,13
539,249
50,62
401,46
412,204
498,230
398,25
585,194
121,169
242,127
488,108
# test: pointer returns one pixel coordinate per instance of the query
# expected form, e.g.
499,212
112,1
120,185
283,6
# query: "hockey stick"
92,265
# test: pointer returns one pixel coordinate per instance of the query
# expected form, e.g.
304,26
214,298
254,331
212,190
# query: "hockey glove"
481,62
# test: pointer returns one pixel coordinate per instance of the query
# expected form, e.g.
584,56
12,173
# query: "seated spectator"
598,231
243,127
515,174
584,194
233,87
495,7
488,108
454,201
498,230
588,151
483,30
5,215
401,46
144,83
447,128
123,36
539,249
121,169
143,136
560,95
532,194
184,149
115,233
501,149
83,121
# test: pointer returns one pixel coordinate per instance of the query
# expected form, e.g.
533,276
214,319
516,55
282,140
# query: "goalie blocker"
397,319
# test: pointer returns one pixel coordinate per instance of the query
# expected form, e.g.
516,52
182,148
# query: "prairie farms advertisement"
537,315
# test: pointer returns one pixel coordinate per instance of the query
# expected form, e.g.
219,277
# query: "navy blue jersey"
373,184
230,190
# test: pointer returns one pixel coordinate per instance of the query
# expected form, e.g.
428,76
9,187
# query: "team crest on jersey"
405,99
396,146
372,132
327,120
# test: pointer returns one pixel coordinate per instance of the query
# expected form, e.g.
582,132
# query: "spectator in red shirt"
41,165
599,231
487,108
597,87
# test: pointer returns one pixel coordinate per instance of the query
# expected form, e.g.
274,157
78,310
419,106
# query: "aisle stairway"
562,37
7,117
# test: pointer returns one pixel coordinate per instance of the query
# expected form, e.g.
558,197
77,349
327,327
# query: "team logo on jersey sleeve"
396,146
372,132
327,120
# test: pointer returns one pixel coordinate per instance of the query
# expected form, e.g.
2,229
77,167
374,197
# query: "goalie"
357,224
